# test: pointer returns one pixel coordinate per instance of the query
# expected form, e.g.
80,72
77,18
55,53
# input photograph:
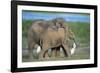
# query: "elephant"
35,31
53,38
60,22
38,28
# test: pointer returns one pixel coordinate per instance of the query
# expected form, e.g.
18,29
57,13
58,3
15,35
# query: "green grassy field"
82,35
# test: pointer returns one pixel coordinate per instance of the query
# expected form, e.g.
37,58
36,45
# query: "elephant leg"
30,51
66,50
42,54
43,51
58,52
46,55
53,52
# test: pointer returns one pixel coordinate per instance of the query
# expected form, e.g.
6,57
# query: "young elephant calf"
53,38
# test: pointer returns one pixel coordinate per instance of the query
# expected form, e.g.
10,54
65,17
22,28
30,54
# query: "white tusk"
38,49
73,49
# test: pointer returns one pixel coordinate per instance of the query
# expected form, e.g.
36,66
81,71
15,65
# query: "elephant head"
59,22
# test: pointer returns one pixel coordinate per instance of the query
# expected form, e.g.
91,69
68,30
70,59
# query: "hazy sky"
48,16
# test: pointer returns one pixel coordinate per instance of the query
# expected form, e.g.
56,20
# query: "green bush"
81,31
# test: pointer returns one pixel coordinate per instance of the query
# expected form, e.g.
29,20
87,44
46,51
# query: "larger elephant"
37,29
34,34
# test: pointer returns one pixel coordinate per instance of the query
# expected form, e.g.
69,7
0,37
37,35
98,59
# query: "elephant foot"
66,50
40,57
58,55
55,56
46,56
69,54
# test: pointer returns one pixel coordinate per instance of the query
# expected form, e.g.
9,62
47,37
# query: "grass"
81,55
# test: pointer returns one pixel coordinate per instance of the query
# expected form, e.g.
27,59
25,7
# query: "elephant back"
37,28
